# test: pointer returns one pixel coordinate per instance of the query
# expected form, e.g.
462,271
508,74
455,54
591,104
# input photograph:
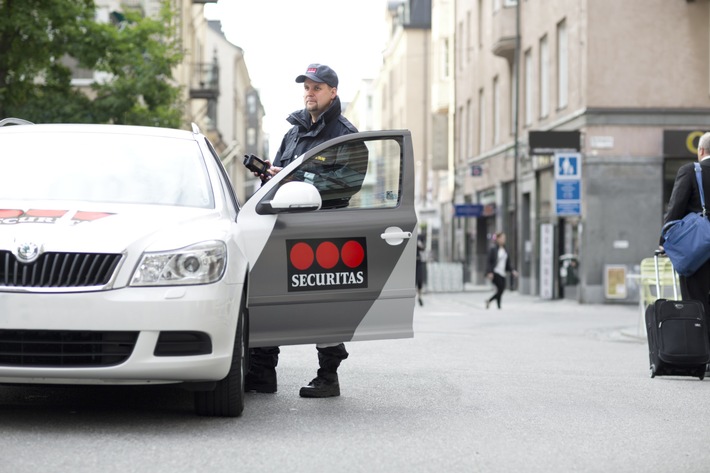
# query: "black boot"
261,377
326,383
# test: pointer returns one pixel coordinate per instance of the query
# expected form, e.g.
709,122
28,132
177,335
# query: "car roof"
98,128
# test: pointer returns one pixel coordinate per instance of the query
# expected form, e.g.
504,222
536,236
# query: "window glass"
355,175
104,167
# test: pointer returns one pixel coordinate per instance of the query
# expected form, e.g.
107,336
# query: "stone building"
621,89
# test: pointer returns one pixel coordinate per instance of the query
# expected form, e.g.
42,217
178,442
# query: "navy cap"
319,73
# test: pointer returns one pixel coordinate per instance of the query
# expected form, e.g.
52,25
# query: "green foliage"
137,57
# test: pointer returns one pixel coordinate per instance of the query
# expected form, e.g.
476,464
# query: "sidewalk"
474,296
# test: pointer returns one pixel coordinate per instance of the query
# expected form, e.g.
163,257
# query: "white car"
125,257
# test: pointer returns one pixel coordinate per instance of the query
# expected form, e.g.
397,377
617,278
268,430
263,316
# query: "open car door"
331,243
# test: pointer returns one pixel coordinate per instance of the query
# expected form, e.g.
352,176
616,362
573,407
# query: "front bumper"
212,309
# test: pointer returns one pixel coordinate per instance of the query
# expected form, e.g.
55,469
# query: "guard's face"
317,96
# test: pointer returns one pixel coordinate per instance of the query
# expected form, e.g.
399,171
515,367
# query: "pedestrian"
497,266
685,198
420,270
320,121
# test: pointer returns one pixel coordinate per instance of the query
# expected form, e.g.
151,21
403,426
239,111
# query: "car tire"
227,399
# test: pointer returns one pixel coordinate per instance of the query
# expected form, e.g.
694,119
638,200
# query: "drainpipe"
516,151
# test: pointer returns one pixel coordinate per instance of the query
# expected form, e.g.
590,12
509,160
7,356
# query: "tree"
136,54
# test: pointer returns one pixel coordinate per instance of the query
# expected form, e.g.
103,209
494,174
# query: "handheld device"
255,164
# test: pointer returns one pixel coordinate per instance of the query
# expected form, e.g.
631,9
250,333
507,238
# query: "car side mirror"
296,197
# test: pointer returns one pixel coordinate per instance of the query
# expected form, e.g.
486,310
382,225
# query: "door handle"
395,235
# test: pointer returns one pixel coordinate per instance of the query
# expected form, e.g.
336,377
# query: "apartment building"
403,87
620,89
236,115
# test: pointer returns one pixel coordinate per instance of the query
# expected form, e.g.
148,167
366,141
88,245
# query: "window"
496,110
469,33
481,121
506,4
445,72
469,128
562,65
527,88
462,134
544,78
460,48
480,24
355,175
107,167
251,104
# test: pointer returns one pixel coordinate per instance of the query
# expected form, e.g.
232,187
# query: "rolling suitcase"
677,334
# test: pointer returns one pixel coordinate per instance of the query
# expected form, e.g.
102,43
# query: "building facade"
237,114
214,80
619,88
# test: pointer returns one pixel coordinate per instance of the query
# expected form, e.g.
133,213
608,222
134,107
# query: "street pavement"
537,386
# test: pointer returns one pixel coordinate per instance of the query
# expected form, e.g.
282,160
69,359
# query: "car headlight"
202,263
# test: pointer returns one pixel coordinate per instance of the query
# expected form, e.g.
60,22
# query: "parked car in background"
125,257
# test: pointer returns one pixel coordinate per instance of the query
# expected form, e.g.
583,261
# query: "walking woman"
497,265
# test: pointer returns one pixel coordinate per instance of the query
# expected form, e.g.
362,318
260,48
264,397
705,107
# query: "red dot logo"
327,254
353,254
301,256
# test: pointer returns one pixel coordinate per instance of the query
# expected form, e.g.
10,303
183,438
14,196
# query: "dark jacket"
492,260
685,197
306,135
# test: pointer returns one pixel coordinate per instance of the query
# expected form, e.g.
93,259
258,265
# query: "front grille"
57,270
65,348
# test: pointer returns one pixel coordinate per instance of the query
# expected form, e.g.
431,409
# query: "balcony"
503,30
205,81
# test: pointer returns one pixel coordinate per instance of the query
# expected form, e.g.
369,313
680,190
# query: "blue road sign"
568,184
468,210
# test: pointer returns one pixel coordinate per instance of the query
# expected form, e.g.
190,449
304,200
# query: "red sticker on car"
324,264
15,216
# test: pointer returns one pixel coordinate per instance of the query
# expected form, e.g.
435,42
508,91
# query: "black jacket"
685,197
492,260
306,135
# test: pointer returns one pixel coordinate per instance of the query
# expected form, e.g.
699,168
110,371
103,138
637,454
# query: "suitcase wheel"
653,371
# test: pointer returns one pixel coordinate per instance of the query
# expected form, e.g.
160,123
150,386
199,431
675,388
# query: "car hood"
105,228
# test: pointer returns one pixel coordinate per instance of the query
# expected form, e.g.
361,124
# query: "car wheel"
227,399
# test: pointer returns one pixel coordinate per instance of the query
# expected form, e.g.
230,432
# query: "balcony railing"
205,81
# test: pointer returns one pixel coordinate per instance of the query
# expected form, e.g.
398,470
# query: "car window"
225,181
360,174
104,167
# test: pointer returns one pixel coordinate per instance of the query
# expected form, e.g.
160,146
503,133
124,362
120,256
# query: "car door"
344,271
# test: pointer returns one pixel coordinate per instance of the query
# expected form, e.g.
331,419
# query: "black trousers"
697,288
499,283
263,361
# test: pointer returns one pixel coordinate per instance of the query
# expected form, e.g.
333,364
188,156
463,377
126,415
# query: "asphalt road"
534,387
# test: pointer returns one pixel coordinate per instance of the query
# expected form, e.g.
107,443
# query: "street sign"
568,184
468,210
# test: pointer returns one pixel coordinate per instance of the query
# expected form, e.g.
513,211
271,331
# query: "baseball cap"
319,73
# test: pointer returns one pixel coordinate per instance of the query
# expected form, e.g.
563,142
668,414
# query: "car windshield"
103,167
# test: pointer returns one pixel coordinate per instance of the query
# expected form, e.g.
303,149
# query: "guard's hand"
267,176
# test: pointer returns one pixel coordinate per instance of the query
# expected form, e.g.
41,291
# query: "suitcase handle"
656,254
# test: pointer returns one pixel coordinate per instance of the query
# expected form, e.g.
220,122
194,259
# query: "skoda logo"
27,252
